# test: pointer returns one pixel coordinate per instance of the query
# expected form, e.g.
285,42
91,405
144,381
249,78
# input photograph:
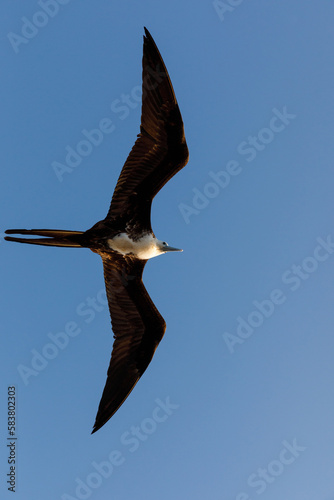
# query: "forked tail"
52,237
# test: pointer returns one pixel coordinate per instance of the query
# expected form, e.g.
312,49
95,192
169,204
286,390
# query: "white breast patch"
144,248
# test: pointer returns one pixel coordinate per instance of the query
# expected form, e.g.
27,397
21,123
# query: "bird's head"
163,247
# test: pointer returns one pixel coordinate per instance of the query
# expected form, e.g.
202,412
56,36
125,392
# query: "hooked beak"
172,249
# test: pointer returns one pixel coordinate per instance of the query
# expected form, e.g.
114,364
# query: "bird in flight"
125,240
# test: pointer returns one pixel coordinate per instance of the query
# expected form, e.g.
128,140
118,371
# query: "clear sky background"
246,365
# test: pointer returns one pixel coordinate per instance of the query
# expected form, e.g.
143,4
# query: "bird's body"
144,248
125,240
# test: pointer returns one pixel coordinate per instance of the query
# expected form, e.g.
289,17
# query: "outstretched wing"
138,328
160,150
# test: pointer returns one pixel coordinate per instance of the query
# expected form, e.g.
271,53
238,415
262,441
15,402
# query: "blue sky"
238,402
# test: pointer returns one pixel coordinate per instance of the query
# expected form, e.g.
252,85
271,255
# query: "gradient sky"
238,402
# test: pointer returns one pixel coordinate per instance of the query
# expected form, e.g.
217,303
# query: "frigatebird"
125,240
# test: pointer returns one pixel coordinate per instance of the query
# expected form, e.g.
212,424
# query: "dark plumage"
125,240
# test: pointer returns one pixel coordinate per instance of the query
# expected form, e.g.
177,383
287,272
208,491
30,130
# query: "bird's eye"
165,244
